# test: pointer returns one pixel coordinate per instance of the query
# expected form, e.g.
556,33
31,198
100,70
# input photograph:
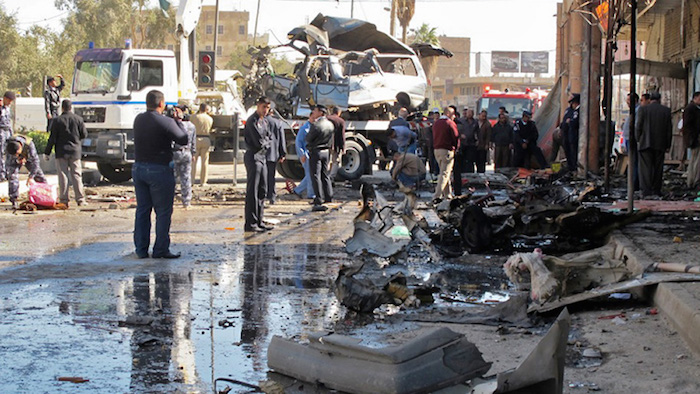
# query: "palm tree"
404,13
427,35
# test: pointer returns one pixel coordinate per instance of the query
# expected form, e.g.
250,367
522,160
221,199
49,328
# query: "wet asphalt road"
75,301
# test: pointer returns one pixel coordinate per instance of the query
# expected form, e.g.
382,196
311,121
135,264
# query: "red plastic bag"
42,194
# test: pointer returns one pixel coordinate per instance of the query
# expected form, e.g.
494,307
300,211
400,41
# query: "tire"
115,173
291,169
354,161
475,229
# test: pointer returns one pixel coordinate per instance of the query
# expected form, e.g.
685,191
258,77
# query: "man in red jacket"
445,143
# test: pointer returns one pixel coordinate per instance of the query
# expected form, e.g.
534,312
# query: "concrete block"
680,303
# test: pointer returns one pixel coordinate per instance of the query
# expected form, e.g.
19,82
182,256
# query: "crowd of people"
167,149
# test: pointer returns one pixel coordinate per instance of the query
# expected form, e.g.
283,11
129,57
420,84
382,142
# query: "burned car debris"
347,63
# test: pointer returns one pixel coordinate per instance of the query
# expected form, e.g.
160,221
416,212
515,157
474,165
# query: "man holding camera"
154,181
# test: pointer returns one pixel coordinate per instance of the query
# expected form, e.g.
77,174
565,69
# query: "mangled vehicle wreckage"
347,63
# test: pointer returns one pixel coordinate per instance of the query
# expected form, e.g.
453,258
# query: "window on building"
207,48
221,29
210,29
219,50
241,30
171,47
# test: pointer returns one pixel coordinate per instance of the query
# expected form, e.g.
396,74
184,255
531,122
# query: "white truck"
110,86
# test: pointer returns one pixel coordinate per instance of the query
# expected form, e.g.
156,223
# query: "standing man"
154,181
5,129
691,137
258,139
319,141
183,155
445,143
303,154
203,123
483,142
276,153
502,138
338,148
653,131
52,99
21,152
465,156
525,142
627,128
67,131
570,126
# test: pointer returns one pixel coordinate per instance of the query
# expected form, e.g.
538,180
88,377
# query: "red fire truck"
514,102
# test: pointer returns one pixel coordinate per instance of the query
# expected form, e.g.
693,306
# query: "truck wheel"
291,169
354,161
115,174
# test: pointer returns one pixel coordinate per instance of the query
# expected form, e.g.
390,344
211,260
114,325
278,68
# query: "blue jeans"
155,190
408,180
305,184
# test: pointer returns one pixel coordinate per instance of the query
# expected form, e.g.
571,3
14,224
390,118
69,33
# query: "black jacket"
320,135
468,132
154,135
52,98
338,133
691,125
66,132
653,128
525,132
258,136
278,144
502,134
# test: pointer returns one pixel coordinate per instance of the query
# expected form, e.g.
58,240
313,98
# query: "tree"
404,12
427,35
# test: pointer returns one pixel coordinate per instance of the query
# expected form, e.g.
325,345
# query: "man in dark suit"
258,139
653,131
319,140
275,154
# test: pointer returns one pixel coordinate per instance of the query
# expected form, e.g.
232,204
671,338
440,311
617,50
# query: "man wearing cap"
21,152
653,131
318,141
525,142
5,129
569,128
52,99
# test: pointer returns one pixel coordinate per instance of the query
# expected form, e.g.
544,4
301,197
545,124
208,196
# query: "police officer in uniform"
5,129
525,137
569,128
258,138
52,99
183,157
21,152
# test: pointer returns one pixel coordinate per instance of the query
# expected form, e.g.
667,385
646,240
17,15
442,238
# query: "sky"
492,25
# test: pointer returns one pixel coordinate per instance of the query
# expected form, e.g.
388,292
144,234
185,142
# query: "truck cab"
108,91
514,102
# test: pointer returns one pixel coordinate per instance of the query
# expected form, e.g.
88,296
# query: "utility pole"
608,87
633,92
255,30
352,8
216,30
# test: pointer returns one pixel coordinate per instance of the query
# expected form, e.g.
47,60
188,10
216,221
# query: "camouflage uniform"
182,160
5,134
30,158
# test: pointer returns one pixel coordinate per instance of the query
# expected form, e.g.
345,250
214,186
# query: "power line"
45,19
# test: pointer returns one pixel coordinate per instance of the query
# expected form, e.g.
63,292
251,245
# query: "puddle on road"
210,319
213,320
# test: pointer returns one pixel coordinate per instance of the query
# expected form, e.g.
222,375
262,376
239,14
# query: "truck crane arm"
187,17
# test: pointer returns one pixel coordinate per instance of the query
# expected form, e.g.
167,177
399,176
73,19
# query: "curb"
680,303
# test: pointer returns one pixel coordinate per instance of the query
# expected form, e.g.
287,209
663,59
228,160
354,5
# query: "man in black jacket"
338,148
258,140
154,180
276,153
691,136
654,132
318,142
525,142
67,131
52,99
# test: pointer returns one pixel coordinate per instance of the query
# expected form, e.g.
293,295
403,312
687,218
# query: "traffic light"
207,65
